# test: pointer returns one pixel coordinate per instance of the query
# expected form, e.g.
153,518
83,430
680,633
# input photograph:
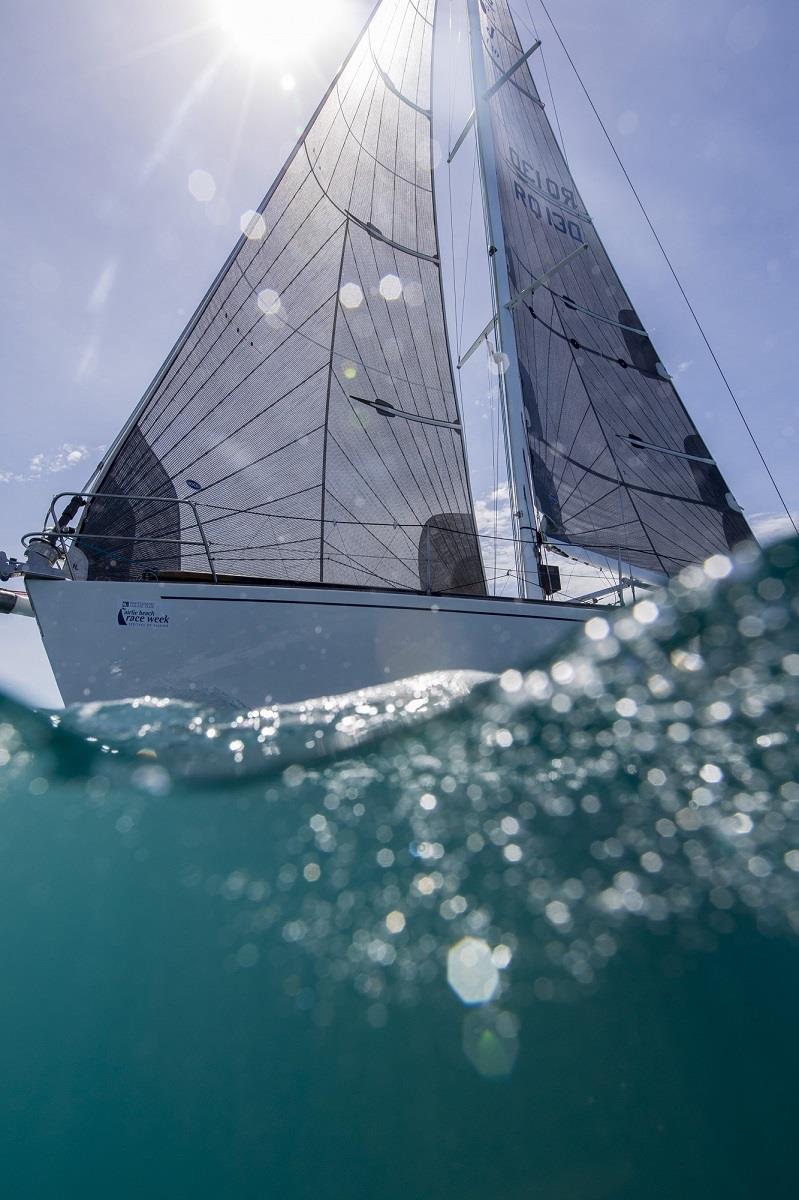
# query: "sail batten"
334,289
594,390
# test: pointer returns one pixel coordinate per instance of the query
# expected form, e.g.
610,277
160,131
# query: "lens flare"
268,30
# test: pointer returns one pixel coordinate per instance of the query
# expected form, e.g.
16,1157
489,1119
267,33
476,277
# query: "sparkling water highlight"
534,936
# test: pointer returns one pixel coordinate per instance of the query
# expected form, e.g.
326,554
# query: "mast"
599,437
521,494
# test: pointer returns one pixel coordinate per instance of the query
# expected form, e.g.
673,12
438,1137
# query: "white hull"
254,644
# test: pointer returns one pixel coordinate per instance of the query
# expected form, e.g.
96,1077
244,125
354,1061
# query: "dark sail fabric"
449,555
309,410
601,410
116,523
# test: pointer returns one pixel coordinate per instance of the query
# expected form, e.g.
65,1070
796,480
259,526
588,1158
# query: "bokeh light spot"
390,287
252,225
202,185
351,295
269,302
471,971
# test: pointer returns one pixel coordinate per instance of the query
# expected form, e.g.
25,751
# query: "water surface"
533,937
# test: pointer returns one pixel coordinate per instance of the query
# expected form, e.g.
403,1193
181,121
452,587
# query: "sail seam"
619,480
327,406
611,358
229,393
104,467
668,470
223,303
243,271
392,87
403,379
255,511
391,170
367,227
432,456
277,450
624,484
378,498
250,421
404,457
366,526
513,82
597,316
242,338
389,410
418,11
586,470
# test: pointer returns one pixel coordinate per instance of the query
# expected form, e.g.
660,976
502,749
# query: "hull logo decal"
142,614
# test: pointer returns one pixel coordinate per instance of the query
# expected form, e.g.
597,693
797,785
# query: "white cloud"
495,527
770,527
88,359
65,458
102,288
491,508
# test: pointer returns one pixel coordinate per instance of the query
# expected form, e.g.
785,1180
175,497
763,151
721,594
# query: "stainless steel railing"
211,552
62,536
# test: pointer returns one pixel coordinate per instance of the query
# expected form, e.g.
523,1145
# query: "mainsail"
617,464
309,409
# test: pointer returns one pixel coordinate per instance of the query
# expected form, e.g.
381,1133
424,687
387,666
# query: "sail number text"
549,190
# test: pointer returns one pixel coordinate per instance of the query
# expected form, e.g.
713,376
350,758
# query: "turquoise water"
528,938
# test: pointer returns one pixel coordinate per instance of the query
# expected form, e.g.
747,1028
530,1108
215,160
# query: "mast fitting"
470,120
543,279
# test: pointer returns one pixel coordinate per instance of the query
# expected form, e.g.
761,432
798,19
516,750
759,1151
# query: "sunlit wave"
496,830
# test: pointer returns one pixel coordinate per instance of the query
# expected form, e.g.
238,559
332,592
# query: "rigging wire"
534,31
493,409
674,274
468,247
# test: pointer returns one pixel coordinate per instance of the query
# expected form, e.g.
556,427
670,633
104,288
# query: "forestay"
618,466
313,387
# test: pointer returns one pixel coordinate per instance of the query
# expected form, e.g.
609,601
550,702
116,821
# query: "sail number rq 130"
529,186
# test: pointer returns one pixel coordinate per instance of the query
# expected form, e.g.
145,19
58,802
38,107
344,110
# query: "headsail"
309,408
617,464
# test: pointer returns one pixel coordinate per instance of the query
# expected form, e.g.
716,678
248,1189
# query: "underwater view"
527,937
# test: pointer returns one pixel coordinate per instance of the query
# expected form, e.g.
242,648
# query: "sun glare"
276,30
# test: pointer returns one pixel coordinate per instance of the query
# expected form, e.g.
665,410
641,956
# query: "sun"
276,30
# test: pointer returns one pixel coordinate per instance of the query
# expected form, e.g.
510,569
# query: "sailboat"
288,512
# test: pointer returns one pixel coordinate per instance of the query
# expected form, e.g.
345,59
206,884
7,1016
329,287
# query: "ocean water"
534,938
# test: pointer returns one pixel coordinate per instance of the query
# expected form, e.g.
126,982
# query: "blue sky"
110,108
